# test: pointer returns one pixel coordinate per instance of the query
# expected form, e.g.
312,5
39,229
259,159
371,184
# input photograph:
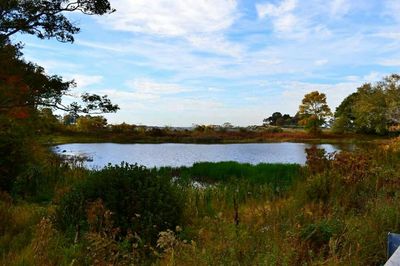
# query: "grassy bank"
29,215
334,211
210,138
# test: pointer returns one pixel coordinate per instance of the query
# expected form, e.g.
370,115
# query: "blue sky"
182,62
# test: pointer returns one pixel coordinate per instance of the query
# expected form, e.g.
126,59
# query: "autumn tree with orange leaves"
314,111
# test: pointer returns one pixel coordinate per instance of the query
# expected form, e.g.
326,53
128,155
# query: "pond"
173,154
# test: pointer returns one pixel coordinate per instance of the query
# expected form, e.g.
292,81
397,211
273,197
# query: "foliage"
344,115
373,109
25,86
370,110
277,119
313,111
318,235
45,19
140,201
316,160
338,214
27,93
273,130
91,123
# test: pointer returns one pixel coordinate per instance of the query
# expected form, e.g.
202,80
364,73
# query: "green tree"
344,118
373,109
391,86
378,106
272,120
314,111
48,121
91,123
370,110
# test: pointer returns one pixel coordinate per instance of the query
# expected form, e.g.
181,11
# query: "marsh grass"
279,176
335,211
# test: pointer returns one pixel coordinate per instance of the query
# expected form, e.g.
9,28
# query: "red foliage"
353,167
19,113
317,160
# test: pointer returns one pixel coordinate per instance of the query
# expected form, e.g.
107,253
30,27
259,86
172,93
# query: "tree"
48,122
370,110
373,109
25,88
314,111
45,18
344,118
272,119
91,123
391,86
378,106
227,125
277,119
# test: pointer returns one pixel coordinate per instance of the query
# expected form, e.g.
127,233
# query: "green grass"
226,172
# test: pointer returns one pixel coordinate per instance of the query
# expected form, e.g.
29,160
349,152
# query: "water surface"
156,155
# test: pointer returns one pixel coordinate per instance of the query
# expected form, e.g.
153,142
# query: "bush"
318,188
37,182
318,234
317,160
273,130
139,201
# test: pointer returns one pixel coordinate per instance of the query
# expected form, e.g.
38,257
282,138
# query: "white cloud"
128,96
392,62
150,87
216,44
53,65
321,62
214,89
83,81
200,23
172,18
340,7
392,8
282,15
268,9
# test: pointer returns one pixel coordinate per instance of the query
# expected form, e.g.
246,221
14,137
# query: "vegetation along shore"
336,209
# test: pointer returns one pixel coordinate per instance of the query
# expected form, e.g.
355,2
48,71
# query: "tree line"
373,109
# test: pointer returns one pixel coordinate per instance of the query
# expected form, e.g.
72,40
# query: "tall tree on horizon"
314,111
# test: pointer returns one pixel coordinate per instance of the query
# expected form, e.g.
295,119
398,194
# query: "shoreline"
60,139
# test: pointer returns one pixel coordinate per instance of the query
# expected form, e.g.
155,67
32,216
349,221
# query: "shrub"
318,234
139,200
38,181
273,130
317,160
353,167
318,188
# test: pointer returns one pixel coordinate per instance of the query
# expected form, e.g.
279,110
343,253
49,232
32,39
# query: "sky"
184,62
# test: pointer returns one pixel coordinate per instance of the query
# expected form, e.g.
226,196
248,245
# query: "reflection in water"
156,155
